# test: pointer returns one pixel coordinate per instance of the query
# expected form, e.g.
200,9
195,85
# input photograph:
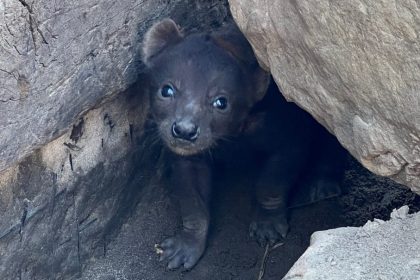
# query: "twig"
267,252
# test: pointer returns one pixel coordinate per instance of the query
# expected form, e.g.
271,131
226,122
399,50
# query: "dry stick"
265,258
263,262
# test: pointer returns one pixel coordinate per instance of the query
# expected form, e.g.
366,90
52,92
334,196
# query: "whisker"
226,138
210,152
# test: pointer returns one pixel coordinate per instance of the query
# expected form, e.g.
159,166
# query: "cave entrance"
231,253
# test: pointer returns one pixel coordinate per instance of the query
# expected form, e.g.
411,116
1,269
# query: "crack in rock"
11,99
33,25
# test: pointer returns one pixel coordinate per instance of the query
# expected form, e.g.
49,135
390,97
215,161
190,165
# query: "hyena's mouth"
185,152
185,148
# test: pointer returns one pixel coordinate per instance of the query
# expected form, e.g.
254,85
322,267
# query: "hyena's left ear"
160,36
233,41
262,81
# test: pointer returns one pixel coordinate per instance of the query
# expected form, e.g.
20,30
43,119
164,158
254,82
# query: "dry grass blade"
267,252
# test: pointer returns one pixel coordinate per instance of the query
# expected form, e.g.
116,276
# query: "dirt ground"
231,254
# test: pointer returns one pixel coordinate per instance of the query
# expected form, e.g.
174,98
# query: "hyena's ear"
262,81
160,36
233,41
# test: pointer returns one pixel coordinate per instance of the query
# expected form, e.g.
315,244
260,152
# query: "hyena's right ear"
160,36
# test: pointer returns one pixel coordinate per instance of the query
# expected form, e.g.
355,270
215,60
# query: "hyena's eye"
167,91
220,103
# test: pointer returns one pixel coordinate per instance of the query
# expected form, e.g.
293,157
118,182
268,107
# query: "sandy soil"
231,254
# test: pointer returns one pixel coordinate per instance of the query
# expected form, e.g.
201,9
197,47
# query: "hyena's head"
204,85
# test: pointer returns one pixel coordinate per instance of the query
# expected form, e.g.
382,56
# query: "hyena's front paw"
183,249
269,226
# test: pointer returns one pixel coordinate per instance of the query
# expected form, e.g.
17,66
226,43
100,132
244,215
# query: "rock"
378,250
73,160
58,59
354,66
60,204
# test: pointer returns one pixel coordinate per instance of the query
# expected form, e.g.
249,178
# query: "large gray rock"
60,204
378,250
60,58
354,65
57,60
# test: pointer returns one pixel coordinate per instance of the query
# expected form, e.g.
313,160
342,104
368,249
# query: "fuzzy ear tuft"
232,40
262,81
160,36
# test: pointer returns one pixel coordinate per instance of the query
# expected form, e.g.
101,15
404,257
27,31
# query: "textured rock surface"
68,178
59,58
354,65
59,205
378,250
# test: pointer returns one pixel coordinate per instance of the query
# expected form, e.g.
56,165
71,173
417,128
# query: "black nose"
185,130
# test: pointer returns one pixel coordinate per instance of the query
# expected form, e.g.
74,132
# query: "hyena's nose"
185,130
